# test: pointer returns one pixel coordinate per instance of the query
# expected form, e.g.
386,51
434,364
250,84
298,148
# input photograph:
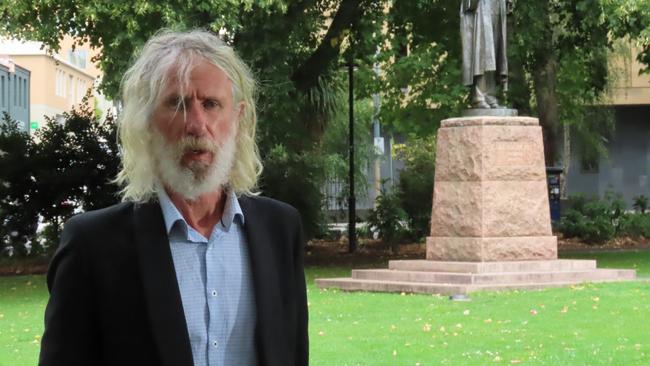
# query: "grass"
602,324
22,303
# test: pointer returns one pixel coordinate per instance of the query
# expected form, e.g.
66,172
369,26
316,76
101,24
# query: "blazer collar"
162,296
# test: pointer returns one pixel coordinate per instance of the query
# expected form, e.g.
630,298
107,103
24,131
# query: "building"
14,92
626,168
59,80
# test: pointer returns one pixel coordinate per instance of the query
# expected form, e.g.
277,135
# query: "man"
192,268
483,36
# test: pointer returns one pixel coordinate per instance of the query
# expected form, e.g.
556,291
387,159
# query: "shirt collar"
172,215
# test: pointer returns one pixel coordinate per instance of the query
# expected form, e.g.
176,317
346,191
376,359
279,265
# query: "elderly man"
483,36
192,268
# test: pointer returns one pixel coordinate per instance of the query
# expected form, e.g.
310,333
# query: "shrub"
636,225
593,220
386,218
67,168
18,211
297,178
641,204
416,184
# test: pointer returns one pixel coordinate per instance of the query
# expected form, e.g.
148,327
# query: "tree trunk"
544,77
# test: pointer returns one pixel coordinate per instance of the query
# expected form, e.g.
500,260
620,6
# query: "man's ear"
241,107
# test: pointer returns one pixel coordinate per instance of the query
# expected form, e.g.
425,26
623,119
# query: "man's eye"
210,104
173,102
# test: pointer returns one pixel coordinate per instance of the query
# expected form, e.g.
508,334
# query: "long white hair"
142,87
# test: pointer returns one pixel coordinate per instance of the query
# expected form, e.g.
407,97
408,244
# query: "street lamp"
352,215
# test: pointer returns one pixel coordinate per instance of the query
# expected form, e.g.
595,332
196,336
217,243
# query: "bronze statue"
483,35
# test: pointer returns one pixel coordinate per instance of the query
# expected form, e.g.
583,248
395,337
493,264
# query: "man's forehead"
203,77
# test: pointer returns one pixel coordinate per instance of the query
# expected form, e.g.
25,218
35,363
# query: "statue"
483,35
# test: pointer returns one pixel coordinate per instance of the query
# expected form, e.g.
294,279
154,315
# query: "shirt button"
215,344
214,292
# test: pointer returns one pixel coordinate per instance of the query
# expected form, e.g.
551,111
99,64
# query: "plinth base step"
437,277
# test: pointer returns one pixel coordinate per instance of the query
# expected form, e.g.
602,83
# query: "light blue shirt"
215,282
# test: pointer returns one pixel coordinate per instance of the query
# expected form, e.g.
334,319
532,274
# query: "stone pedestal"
490,200
490,225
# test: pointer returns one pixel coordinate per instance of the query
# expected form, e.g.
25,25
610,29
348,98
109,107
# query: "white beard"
194,179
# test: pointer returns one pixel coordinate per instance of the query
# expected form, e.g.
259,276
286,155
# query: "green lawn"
22,302
604,324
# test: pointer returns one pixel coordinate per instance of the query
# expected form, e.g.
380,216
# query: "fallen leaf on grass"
564,309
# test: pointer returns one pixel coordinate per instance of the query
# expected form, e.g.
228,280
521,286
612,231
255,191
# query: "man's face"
194,147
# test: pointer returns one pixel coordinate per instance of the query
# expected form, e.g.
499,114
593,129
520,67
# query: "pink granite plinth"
471,249
490,225
490,200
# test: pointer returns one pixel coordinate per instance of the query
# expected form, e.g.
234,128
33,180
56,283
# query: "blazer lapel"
265,284
162,296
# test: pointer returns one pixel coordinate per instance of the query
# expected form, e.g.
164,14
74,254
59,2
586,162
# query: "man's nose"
195,119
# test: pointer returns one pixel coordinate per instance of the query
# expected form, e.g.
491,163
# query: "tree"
18,214
48,177
74,164
558,64
295,47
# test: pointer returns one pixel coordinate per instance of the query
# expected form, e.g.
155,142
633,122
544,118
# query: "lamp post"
352,215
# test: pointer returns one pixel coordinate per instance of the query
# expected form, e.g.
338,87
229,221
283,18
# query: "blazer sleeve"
69,337
302,341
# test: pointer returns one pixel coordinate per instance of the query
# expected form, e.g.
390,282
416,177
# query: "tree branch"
306,75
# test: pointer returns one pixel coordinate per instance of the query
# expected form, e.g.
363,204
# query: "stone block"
458,209
490,208
490,151
486,249
459,155
515,208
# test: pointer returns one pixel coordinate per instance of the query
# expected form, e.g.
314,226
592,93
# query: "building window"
60,83
71,89
25,93
15,90
78,58
2,92
79,91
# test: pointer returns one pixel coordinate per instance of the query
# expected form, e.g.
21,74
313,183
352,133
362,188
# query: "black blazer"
114,298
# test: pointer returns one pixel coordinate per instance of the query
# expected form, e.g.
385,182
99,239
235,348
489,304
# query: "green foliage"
297,179
596,221
416,183
641,203
421,86
65,168
635,225
336,149
74,164
18,209
386,218
631,19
